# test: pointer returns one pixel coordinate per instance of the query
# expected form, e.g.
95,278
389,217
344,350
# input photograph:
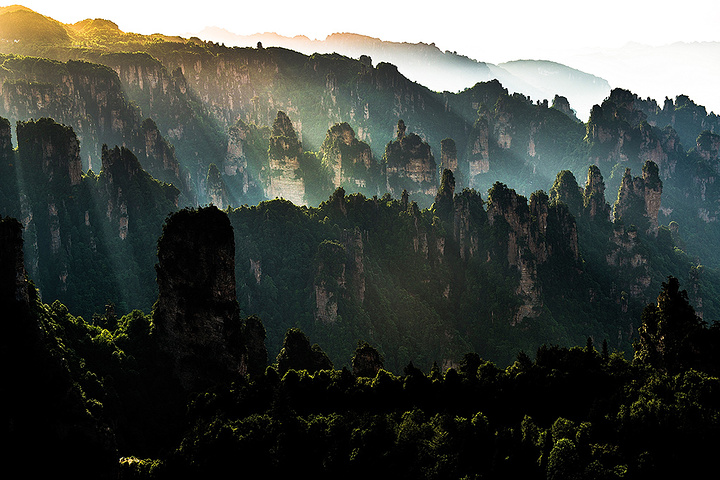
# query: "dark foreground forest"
132,397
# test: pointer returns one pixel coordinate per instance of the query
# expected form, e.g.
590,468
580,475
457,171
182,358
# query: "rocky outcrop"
469,217
349,160
50,149
479,152
355,262
159,159
619,132
638,201
627,255
330,280
594,203
509,213
448,156
283,174
216,191
120,168
707,146
562,104
340,273
14,286
196,314
86,97
536,233
409,164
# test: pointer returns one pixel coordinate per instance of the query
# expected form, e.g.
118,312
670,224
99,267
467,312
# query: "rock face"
619,132
197,315
594,195
626,255
638,200
469,216
536,233
49,165
52,149
479,153
120,171
340,273
160,160
355,262
330,280
349,160
284,176
246,155
448,156
708,147
87,97
14,287
410,165
215,188
90,99
561,103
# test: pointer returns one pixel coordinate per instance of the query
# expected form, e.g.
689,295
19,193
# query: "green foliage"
670,332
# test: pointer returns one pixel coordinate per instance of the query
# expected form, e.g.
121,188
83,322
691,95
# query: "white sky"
490,31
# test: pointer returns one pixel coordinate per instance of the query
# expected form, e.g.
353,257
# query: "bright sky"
490,31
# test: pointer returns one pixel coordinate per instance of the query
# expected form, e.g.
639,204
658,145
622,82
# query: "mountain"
173,123
438,70
178,219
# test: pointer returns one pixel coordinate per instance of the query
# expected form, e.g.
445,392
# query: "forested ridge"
85,394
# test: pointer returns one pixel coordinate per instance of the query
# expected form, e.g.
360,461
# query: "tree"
670,331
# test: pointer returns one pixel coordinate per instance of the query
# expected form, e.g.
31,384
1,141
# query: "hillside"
440,70
236,126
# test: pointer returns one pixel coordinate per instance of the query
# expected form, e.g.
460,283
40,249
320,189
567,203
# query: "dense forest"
220,258
87,393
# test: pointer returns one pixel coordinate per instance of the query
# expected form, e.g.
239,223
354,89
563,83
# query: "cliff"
618,132
90,99
350,161
216,190
283,174
638,200
52,150
408,164
531,235
197,315
45,407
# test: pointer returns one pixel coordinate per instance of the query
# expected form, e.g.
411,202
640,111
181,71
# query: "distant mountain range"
651,71
441,71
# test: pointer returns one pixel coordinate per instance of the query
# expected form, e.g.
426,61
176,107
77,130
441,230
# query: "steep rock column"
14,287
638,200
330,280
506,206
594,195
349,160
197,315
284,162
448,157
479,152
409,165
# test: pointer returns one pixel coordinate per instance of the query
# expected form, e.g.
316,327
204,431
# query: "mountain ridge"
461,71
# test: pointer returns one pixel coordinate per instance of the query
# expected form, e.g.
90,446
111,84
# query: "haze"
592,37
